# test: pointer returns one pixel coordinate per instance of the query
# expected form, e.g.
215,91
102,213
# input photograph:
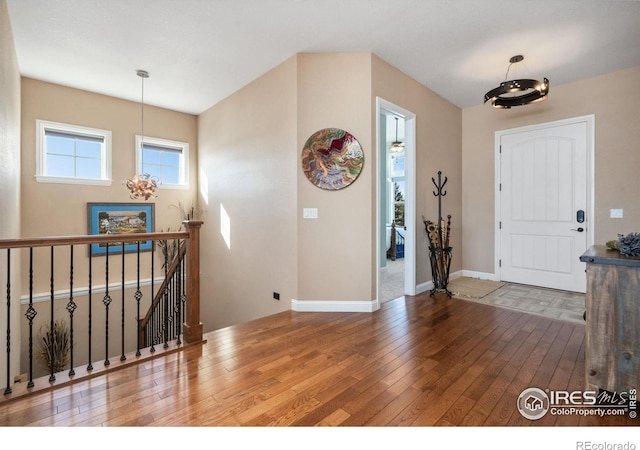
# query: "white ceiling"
200,51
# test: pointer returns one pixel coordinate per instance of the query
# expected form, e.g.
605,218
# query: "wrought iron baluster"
8,389
165,296
52,377
138,297
183,297
106,301
30,314
90,321
151,324
71,307
173,304
122,355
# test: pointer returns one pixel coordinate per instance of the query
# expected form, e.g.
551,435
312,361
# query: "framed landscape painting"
120,218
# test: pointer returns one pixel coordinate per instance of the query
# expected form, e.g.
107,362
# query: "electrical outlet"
276,295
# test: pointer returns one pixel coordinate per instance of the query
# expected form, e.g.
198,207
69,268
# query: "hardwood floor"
418,361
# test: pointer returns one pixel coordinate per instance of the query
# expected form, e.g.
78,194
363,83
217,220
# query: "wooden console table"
612,359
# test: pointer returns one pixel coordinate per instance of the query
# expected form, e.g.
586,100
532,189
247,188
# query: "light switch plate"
310,213
616,213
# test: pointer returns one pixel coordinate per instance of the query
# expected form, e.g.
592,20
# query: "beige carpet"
392,280
466,287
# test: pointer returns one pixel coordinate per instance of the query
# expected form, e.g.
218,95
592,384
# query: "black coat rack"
439,249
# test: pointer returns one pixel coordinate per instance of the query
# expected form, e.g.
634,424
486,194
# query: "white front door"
544,210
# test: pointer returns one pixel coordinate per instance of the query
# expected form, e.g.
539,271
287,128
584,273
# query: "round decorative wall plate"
332,158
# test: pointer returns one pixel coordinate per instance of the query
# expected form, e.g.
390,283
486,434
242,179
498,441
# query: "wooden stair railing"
17,319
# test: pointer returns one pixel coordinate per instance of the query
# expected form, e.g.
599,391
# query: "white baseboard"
335,305
374,305
481,275
458,274
424,287
427,286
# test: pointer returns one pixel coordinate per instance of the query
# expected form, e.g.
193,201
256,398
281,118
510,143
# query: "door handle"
580,229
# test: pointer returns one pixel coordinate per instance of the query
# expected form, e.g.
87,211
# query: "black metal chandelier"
517,92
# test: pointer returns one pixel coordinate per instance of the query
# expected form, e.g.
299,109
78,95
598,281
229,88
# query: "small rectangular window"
166,160
72,154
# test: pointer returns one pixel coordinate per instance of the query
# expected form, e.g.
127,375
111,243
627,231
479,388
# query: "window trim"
42,126
167,143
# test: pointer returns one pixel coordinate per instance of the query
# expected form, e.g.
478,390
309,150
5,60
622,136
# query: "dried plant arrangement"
189,214
170,249
54,351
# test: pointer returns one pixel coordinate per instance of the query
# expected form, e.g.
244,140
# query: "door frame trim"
590,123
410,287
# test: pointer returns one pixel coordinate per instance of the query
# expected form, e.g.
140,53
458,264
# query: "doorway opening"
396,202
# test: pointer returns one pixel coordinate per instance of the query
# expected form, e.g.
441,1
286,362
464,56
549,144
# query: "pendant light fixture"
397,146
142,186
517,92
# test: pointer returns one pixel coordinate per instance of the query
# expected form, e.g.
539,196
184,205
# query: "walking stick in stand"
446,241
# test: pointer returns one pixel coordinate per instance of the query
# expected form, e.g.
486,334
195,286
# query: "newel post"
192,327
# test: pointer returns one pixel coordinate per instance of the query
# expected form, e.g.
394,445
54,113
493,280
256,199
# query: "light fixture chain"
142,185
506,75
142,109
142,74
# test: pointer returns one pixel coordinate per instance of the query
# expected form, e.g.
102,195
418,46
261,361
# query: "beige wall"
438,148
335,250
247,149
9,184
51,209
250,156
60,202
615,103
247,158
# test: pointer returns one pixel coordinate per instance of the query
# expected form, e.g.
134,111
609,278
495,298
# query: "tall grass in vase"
54,346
